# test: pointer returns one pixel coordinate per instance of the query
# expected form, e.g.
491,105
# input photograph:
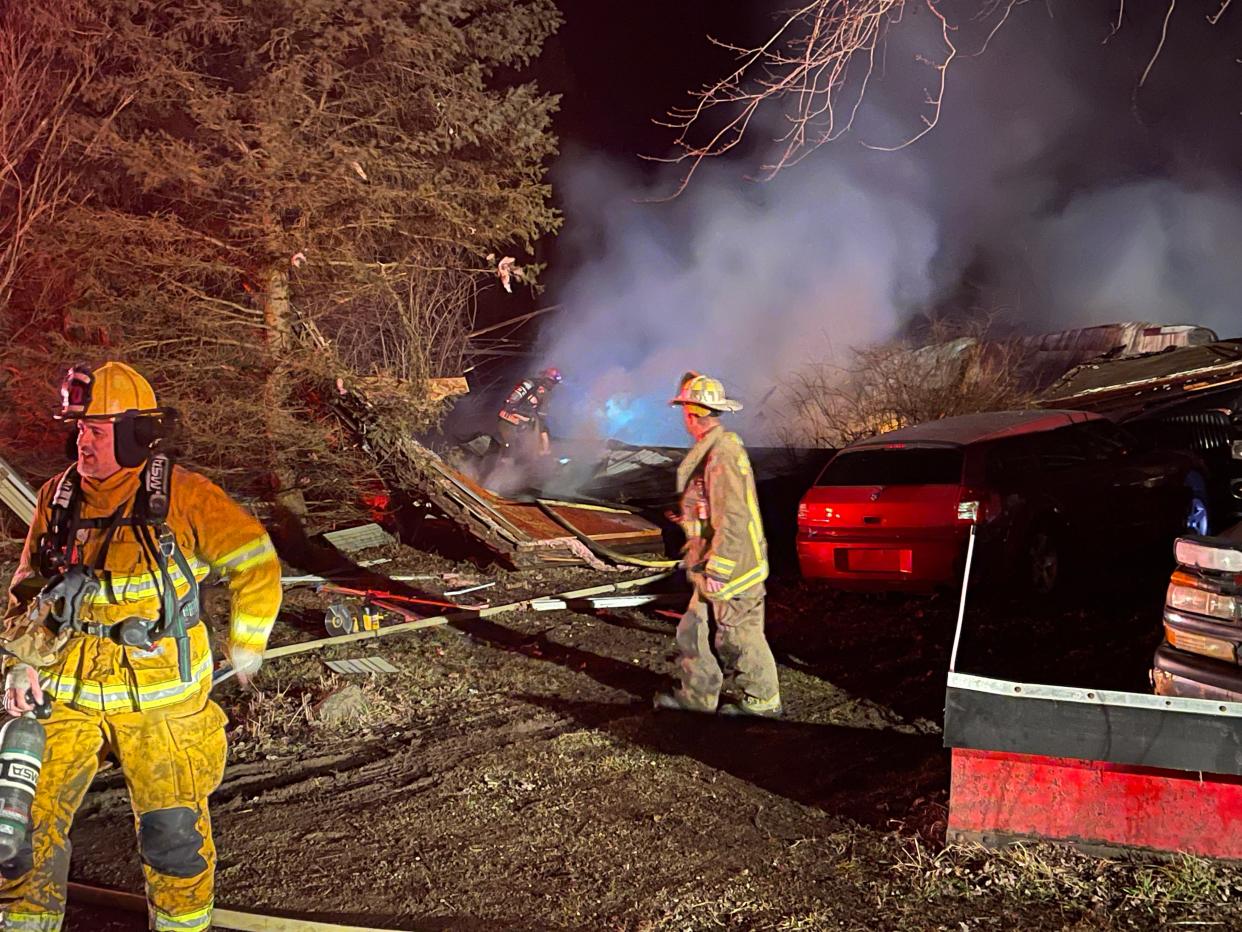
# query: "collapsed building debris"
1041,359
1187,397
646,476
1127,386
361,665
521,533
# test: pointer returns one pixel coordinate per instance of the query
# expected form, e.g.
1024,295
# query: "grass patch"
1183,889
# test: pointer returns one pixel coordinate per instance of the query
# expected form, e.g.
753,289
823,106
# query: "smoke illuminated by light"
616,414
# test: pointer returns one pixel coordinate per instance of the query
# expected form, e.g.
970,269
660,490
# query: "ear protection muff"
135,435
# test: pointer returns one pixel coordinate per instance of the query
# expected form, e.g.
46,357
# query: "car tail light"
1217,556
977,505
802,511
1187,594
1201,644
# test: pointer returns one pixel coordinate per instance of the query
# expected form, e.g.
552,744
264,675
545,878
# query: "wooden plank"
16,493
362,537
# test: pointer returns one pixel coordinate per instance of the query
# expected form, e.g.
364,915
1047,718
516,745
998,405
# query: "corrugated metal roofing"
1208,364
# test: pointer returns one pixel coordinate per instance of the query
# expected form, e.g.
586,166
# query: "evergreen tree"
270,194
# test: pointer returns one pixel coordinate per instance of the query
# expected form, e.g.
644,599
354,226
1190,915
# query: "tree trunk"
278,315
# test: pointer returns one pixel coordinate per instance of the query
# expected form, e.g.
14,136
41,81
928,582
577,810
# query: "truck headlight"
1218,556
1190,598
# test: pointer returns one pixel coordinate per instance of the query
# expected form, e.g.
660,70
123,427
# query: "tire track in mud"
383,768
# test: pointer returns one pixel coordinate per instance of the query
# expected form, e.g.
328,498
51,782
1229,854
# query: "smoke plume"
1047,190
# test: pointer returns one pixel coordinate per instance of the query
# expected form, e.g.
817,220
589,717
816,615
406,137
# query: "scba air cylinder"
21,758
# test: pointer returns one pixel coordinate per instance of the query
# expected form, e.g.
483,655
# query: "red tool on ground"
376,595
344,618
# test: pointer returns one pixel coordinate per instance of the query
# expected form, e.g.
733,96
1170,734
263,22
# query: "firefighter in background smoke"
522,421
119,544
720,639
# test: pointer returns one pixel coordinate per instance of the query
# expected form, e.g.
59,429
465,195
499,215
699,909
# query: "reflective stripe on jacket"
720,514
214,533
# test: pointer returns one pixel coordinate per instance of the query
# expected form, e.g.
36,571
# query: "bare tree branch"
817,65
1164,33
815,70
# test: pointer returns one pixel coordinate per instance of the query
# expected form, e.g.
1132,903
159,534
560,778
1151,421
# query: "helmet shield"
75,393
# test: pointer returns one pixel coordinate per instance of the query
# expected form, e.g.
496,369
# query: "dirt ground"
512,775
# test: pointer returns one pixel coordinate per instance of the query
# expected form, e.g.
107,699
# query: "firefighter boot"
747,705
679,701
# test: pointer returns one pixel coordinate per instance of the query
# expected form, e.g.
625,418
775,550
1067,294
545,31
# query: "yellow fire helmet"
705,392
105,393
116,393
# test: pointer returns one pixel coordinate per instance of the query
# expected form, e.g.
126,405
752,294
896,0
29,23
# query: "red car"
894,511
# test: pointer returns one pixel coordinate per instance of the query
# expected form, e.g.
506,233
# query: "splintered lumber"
521,533
16,493
566,599
363,537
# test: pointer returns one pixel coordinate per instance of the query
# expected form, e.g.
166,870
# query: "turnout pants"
721,644
172,759
519,444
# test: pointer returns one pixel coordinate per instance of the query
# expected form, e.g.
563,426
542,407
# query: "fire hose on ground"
447,618
606,553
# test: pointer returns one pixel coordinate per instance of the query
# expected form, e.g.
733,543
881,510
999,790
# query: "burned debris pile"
521,533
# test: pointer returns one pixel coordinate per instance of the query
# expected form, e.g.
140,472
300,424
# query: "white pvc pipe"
961,608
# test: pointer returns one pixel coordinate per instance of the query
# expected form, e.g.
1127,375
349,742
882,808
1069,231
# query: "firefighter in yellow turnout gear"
123,676
726,558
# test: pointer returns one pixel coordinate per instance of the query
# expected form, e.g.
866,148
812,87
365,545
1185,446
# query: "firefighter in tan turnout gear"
726,559
104,610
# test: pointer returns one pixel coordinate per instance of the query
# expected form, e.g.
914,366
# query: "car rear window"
901,466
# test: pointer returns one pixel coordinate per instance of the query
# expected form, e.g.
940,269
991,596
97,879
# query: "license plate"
879,561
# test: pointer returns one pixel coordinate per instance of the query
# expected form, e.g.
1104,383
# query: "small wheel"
339,619
1042,558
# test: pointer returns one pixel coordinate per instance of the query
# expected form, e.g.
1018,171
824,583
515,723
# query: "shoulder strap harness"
70,581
